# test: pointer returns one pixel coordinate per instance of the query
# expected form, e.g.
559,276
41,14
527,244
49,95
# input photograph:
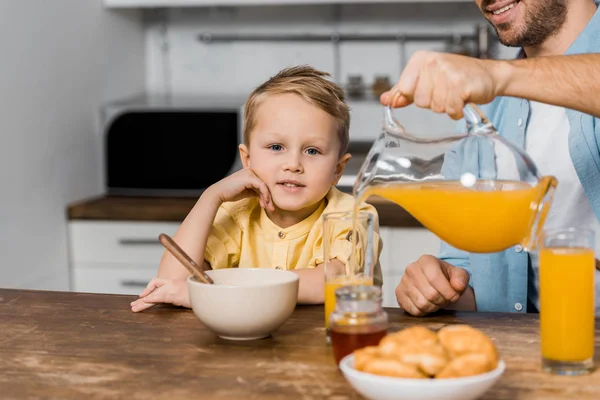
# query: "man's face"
523,23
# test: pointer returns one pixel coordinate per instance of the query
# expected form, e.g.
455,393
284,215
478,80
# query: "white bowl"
377,387
244,303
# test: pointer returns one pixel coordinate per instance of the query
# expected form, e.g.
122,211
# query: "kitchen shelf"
213,3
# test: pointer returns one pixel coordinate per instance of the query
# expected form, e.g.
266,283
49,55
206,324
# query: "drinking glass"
349,253
567,273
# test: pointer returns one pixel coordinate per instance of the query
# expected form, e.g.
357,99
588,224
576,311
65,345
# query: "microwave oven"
170,147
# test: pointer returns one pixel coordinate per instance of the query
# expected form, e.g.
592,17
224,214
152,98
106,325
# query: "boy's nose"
293,163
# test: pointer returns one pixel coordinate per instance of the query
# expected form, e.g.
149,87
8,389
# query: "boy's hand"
243,184
158,290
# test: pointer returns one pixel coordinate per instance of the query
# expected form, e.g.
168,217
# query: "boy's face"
294,148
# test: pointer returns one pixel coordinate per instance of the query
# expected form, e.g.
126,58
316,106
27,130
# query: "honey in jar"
358,319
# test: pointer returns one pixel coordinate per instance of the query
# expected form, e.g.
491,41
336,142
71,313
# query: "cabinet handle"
139,242
137,284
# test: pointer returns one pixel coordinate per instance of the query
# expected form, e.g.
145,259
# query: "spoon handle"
184,259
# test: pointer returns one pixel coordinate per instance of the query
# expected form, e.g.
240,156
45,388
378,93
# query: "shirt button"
520,122
518,248
518,306
281,235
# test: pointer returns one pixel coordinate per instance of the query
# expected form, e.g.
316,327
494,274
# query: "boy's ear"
339,168
244,155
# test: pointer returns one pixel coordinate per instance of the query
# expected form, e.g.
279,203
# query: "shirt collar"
295,231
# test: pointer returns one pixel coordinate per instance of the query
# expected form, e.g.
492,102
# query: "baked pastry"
459,340
418,352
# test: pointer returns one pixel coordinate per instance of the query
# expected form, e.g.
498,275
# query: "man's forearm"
566,81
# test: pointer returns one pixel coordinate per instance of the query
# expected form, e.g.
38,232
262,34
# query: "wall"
180,64
61,59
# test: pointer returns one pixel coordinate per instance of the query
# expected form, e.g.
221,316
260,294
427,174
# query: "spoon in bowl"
184,259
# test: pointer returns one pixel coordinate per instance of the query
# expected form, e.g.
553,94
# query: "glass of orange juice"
350,253
567,272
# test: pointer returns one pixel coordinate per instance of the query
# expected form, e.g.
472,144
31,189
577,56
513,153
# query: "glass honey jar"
358,319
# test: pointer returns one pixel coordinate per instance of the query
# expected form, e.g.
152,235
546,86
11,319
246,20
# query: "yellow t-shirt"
243,236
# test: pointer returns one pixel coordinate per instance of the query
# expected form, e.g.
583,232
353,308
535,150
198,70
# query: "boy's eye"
312,152
275,147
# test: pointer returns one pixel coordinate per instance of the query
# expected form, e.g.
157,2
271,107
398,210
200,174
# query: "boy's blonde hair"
310,84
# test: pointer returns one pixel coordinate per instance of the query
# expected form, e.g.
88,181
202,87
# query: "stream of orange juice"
567,303
332,285
487,217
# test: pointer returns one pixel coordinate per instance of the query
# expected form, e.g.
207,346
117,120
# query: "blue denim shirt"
500,280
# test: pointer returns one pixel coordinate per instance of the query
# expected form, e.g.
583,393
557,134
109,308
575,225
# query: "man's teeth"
503,9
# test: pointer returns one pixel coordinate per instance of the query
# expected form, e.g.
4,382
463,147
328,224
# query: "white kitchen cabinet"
402,246
120,257
115,256
114,278
211,3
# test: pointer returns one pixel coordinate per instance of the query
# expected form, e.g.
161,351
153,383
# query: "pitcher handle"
477,122
390,122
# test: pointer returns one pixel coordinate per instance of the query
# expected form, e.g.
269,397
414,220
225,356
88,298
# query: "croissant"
418,352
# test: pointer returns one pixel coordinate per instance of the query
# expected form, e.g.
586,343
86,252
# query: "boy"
268,215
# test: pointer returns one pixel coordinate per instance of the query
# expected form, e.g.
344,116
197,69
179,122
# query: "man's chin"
507,35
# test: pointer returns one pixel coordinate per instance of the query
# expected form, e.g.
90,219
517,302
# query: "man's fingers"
458,277
405,302
407,85
412,297
395,96
426,289
431,268
424,89
421,302
439,93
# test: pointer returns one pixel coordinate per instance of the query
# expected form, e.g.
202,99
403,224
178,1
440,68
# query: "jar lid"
358,293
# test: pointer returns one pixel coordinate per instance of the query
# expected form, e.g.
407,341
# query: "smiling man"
545,101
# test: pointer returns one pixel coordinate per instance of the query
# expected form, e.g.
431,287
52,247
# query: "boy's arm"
312,281
192,237
170,286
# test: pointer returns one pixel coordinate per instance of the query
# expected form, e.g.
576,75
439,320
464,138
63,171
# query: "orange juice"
487,217
332,285
567,303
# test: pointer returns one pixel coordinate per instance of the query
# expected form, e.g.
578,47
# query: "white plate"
377,387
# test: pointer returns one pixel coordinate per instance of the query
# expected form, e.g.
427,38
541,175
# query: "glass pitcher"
476,191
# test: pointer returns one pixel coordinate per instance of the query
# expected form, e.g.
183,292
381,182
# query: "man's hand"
158,290
445,82
430,284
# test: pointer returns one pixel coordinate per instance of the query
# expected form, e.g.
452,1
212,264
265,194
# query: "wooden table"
57,345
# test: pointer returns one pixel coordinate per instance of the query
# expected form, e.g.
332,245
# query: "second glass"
567,273
349,258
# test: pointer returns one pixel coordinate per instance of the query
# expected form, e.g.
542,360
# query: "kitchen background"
62,61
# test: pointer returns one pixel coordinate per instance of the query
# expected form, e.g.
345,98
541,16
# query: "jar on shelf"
381,85
358,320
355,88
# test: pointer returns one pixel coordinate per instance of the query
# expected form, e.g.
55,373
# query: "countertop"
176,208
65,345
